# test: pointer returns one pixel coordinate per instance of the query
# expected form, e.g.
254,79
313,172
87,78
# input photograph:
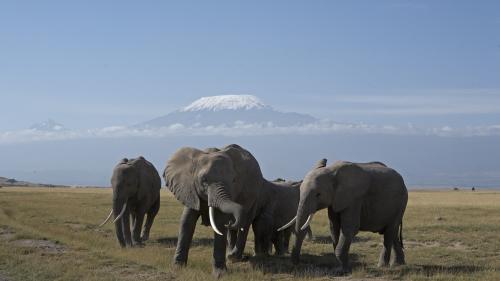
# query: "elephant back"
148,175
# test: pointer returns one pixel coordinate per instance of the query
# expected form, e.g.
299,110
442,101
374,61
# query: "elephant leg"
136,228
186,231
349,227
132,219
126,227
309,234
385,254
334,226
390,235
287,233
398,255
219,253
279,243
299,238
342,251
232,238
236,253
119,233
262,237
149,220
397,244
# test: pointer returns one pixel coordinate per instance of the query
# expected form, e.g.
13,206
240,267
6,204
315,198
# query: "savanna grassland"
53,234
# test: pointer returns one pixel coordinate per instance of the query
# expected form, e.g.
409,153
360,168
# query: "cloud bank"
242,129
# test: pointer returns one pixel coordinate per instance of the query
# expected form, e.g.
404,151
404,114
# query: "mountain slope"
48,126
228,110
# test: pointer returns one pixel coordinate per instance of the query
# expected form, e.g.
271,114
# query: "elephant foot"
218,272
295,256
235,257
179,263
279,254
261,255
139,244
382,263
396,263
342,270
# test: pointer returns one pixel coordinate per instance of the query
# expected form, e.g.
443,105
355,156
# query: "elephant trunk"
119,207
304,215
219,199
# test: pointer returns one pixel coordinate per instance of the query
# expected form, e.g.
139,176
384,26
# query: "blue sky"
102,63
395,65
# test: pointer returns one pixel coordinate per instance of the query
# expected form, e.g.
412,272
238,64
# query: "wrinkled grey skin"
285,197
229,180
359,197
136,182
278,202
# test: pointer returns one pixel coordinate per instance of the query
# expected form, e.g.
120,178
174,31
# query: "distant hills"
14,182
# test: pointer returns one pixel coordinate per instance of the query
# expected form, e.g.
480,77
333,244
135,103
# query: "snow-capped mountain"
228,110
48,126
226,102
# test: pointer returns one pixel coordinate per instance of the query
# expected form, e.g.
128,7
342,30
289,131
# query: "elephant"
136,192
226,188
359,197
285,194
278,202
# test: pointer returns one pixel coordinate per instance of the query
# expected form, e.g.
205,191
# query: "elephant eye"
318,194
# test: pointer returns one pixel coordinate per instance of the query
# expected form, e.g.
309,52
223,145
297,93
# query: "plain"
53,234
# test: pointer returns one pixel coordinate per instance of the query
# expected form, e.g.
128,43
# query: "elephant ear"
351,183
248,173
320,164
179,175
296,184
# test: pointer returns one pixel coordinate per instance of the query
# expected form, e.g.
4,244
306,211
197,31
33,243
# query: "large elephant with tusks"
359,197
136,193
223,186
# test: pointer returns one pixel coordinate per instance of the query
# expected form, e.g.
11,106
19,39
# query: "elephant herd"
225,187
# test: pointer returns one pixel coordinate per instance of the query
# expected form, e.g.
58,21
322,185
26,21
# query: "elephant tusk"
308,221
288,224
121,213
212,221
107,219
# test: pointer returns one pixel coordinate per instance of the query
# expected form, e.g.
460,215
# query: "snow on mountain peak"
226,102
49,125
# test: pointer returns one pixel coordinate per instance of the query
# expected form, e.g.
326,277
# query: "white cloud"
243,129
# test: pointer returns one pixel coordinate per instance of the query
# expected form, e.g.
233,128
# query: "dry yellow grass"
52,234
